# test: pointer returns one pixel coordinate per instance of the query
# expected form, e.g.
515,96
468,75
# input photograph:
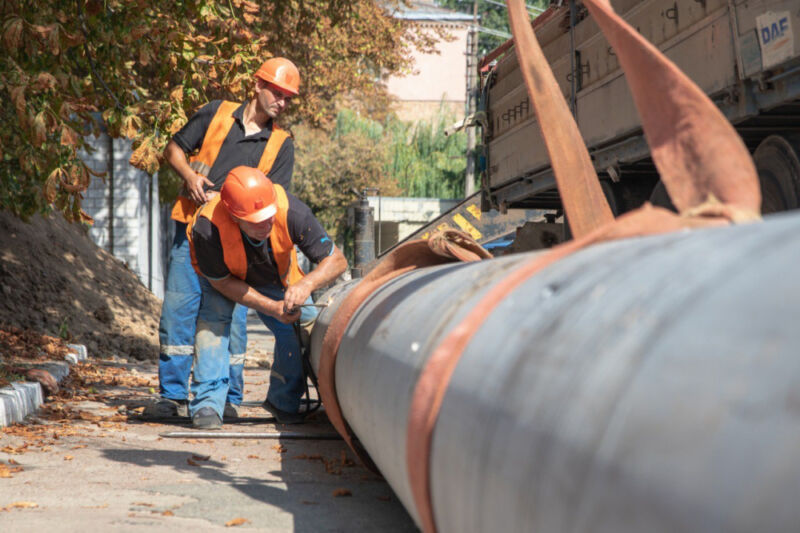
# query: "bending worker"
243,245
224,135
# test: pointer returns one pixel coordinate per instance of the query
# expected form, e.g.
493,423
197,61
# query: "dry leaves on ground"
20,505
6,472
280,448
30,345
332,466
236,522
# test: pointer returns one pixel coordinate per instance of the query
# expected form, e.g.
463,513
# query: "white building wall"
122,226
410,214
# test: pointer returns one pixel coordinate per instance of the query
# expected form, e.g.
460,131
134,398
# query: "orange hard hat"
249,195
281,72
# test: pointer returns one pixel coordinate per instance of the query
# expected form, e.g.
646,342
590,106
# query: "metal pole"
380,223
573,19
110,194
150,233
472,104
364,236
290,435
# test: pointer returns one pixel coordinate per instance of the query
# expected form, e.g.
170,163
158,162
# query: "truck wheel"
611,197
778,168
660,197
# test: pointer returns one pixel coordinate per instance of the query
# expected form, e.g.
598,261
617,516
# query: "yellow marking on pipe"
464,224
475,211
425,235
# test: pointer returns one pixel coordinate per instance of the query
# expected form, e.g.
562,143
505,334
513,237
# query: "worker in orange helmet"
243,246
220,136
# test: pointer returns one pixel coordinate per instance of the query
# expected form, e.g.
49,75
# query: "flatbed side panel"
705,55
697,36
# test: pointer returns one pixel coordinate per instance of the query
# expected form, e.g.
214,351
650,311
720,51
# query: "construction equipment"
641,385
720,44
612,383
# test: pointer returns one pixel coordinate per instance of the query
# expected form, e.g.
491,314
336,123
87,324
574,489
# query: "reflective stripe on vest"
233,248
217,131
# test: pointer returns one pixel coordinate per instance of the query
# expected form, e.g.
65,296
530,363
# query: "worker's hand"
287,318
195,185
296,295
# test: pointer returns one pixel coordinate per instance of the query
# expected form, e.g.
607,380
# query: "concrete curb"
24,398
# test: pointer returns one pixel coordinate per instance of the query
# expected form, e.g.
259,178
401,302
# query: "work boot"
167,408
206,418
230,412
283,417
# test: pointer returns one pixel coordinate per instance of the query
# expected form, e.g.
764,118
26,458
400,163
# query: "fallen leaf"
201,457
338,493
168,513
308,502
236,522
280,448
344,459
78,447
385,498
253,457
23,505
68,458
12,462
143,504
192,463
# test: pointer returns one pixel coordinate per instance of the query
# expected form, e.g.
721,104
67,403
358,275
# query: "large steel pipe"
650,384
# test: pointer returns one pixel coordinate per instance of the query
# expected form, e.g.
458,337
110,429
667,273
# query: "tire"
611,198
778,167
660,197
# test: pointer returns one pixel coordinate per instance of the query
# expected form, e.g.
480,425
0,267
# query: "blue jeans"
176,327
210,378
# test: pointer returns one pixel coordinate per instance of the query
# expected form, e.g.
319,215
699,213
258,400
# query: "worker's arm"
237,290
328,270
195,183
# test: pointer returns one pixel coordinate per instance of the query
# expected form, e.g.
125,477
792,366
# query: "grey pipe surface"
650,384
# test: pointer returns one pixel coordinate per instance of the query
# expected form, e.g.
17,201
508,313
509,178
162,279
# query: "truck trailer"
744,54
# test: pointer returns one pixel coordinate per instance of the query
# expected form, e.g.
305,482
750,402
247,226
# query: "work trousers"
176,328
210,378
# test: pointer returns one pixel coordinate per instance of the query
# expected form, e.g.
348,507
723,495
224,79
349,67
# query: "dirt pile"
54,280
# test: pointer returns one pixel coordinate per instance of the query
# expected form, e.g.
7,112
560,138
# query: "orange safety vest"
203,160
233,247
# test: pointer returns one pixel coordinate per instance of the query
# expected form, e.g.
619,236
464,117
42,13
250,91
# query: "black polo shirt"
237,149
304,229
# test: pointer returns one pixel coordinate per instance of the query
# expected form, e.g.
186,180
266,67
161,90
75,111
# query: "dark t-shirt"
306,233
237,149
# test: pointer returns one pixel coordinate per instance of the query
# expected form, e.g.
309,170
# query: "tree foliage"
140,68
398,158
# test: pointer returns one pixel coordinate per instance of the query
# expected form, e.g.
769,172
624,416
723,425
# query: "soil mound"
54,280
